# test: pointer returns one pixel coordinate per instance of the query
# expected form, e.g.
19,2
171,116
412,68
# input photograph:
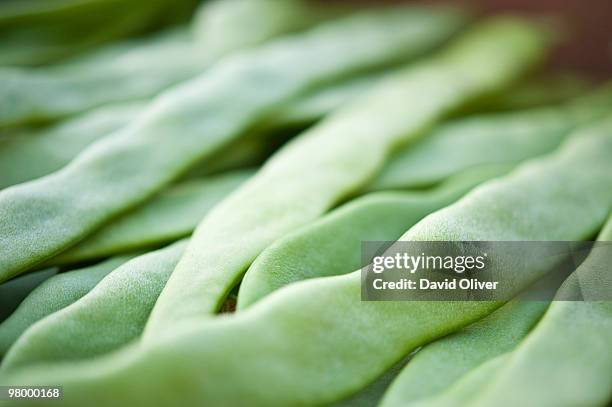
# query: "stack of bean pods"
181,213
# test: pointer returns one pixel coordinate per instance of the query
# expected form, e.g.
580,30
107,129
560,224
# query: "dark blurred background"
586,45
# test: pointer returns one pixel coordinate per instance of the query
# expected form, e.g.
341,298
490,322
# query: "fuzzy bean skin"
47,215
493,138
440,364
302,337
333,159
171,215
52,295
330,245
112,314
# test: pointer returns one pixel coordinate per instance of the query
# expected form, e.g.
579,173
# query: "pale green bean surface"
116,310
302,337
47,215
338,156
173,214
494,138
52,295
331,245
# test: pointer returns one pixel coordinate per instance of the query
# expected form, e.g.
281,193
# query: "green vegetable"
112,314
330,246
173,214
462,392
15,290
566,360
313,172
34,32
482,140
439,365
48,215
33,153
30,154
303,337
246,23
141,69
53,294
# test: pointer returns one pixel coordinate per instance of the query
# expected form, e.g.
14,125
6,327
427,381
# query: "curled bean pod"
333,159
115,310
481,140
46,216
305,332
171,215
330,245
52,295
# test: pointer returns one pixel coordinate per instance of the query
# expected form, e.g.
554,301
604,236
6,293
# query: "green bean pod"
330,246
140,69
173,214
46,216
31,154
486,139
15,290
37,31
109,316
545,369
335,158
566,360
52,295
443,363
462,392
302,337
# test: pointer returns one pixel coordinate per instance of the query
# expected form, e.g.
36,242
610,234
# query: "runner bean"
52,295
302,337
141,69
566,360
330,245
171,215
338,156
109,316
480,140
48,215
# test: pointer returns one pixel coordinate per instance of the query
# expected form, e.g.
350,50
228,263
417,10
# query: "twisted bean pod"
305,332
330,245
116,310
336,157
52,295
43,217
